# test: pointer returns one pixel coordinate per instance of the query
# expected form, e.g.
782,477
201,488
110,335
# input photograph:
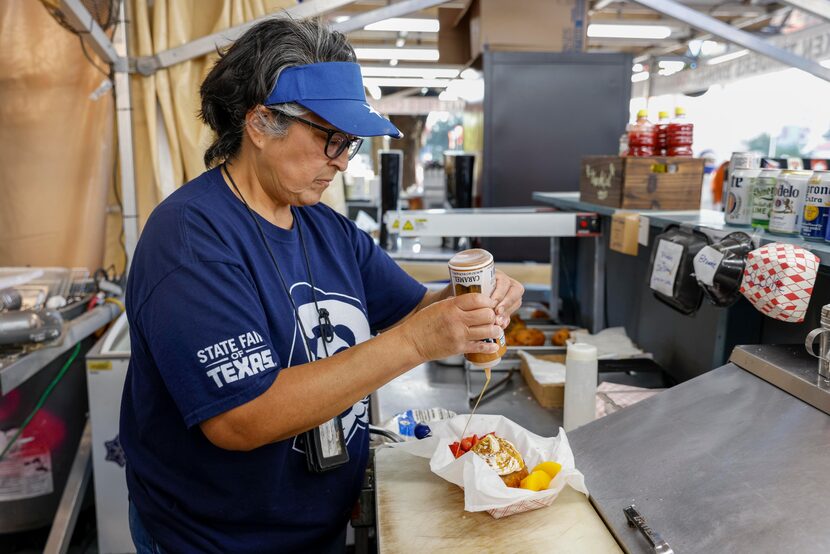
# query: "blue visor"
334,91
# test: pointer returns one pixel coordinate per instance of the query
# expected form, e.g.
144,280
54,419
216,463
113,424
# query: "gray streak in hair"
245,74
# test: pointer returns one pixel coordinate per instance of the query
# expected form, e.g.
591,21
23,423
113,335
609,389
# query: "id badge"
325,446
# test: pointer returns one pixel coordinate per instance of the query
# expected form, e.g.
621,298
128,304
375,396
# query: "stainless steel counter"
434,385
725,462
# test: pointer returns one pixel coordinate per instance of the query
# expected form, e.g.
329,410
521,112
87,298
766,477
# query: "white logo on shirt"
236,358
350,327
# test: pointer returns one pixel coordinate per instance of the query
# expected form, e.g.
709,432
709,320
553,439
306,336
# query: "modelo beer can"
763,193
788,203
739,198
816,206
474,271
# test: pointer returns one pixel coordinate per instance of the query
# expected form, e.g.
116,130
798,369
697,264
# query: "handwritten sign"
706,264
664,271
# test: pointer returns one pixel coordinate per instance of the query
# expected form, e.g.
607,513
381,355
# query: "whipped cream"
499,454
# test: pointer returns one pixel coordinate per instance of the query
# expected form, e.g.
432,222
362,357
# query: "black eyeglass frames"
336,141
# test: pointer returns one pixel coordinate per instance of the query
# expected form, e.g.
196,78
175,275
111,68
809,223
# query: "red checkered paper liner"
778,280
483,488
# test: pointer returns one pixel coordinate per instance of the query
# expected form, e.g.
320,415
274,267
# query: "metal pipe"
720,29
124,123
147,65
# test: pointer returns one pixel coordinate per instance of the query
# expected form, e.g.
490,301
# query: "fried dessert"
515,324
560,337
503,458
529,337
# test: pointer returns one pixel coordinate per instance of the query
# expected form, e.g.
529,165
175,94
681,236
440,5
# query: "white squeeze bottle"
580,385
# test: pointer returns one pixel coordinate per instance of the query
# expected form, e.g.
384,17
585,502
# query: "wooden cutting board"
418,512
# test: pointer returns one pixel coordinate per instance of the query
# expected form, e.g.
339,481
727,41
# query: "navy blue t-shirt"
211,326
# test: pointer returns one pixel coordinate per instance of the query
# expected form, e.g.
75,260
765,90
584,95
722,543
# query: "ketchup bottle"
680,134
642,136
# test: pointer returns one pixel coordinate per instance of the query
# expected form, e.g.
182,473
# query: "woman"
252,311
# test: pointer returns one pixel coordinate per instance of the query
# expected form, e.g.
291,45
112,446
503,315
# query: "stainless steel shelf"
14,374
789,368
707,221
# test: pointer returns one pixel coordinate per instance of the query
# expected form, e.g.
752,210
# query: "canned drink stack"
816,206
739,197
763,194
788,203
744,160
739,161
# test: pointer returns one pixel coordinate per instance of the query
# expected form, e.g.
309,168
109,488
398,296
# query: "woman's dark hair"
246,72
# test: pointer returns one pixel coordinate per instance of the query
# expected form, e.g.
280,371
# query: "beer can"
744,160
816,206
788,202
763,192
738,196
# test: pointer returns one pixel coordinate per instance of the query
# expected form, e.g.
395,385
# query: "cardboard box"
625,230
453,36
548,396
658,183
528,25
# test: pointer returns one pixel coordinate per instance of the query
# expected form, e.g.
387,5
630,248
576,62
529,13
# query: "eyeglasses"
336,141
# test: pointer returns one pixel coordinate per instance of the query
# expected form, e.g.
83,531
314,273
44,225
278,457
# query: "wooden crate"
657,183
548,396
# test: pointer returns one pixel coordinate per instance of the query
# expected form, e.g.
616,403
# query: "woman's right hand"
453,326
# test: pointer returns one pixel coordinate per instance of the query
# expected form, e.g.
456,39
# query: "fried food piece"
503,458
529,337
560,337
539,314
515,324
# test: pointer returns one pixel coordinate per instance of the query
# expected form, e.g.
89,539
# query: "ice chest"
548,396
657,183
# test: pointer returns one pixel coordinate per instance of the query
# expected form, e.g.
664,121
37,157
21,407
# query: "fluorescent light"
467,89
637,67
412,54
374,91
420,72
470,73
599,30
447,96
671,65
400,42
637,77
405,83
727,57
405,24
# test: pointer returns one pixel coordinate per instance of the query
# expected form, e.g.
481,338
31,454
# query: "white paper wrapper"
483,488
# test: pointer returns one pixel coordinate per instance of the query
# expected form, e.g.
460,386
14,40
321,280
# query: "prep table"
732,461
725,462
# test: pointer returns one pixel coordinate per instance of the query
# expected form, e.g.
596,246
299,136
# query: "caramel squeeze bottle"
474,271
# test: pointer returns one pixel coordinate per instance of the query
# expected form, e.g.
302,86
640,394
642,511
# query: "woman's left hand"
508,295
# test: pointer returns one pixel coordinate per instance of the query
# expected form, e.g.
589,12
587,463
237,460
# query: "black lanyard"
325,446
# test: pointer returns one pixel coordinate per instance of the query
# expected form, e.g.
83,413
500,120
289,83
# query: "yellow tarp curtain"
56,144
169,139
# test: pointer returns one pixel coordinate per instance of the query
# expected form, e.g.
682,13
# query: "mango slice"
551,468
536,481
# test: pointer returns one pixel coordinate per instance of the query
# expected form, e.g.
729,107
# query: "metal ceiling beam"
737,24
728,33
147,65
397,9
818,8
82,21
